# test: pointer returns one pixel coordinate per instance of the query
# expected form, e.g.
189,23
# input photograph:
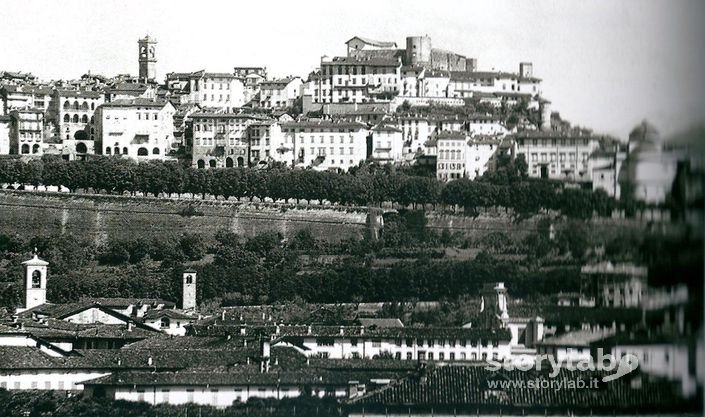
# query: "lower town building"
387,144
27,132
324,144
557,155
451,156
138,128
220,139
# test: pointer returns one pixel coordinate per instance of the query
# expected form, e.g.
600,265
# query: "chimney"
342,332
150,361
277,329
362,330
244,342
309,329
222,316
129,326
243,330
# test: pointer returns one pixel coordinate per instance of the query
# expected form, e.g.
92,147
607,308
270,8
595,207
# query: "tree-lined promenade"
506,188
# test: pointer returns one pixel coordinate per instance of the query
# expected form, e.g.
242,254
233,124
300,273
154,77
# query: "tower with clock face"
147,58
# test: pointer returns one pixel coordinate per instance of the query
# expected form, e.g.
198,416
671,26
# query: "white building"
485,124
266,142
451,155
5,127
208,89
466,84
324,144
557,155
387,144
480,156
356,80
402,343
281,93
138,128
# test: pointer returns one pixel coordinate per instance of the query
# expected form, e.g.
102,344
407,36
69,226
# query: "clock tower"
147,58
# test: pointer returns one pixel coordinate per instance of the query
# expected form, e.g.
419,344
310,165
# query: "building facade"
324,144
557,155
138,128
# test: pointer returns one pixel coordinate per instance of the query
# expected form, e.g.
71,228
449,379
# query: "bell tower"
35,275
188,295
147,58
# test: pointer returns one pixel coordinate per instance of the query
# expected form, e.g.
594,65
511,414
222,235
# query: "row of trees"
365,187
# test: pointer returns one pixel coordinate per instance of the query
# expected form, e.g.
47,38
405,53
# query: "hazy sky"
605,64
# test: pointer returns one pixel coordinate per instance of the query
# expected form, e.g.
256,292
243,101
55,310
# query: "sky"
606,64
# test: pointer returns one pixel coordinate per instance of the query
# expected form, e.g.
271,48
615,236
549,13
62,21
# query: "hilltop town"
363,240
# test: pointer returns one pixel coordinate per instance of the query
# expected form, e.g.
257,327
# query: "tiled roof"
122,302
323,124
76,93
209,115
467,386
386,128
172,314
136,102
446,135
371,61
378,44
380,322
575,338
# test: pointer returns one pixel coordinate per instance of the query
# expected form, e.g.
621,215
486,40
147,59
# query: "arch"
84,119
229,162
80,135
67,105
35,148
67,118
155,151
107,150
142,152
92,131
116,151
164,323
189,279
124,150
201,164
75,105
240,161
25,148
36,279
75,118
92,119
84,105
212,163
81,147
92,108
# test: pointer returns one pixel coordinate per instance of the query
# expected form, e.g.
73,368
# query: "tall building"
147,58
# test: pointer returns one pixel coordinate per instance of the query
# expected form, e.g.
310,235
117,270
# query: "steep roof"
372,42
467,387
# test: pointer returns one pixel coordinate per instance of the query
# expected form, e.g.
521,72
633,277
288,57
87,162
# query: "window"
441,356
155,151
142,152
164,323
409,356
36,279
